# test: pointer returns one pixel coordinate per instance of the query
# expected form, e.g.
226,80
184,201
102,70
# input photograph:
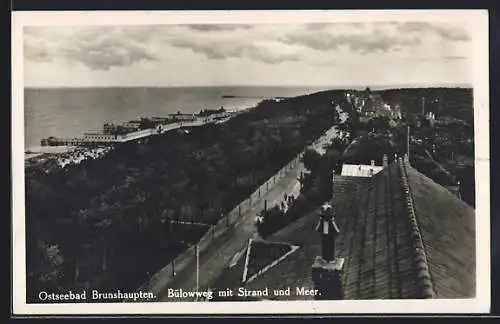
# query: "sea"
70,112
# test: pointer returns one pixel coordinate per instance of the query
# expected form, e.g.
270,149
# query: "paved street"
221,250
216,253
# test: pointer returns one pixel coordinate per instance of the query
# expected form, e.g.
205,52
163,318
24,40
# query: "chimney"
327,269
385,161
372,162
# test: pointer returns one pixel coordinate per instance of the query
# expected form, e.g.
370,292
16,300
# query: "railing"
120,138
226,222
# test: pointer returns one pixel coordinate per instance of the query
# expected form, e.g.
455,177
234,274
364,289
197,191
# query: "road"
216,253
214,259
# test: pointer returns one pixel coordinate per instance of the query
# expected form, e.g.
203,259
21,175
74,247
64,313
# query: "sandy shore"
63,155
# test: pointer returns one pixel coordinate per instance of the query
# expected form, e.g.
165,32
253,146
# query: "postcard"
250,162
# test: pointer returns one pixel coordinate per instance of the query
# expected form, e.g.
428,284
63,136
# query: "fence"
225,222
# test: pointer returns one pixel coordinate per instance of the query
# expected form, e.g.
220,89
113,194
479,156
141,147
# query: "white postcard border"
476,18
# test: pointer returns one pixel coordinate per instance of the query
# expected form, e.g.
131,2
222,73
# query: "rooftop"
360,170
401,235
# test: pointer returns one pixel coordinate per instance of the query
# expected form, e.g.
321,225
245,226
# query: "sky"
313,54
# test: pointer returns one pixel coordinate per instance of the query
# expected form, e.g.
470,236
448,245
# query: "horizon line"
333,87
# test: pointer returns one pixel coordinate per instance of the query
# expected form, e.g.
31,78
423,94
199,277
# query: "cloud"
104,47
36,50
453,33
106,53
98,48
223,49
365,42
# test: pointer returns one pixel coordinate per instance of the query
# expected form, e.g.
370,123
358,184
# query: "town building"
110,128
182,116
133,124
430,117
360,170
127,127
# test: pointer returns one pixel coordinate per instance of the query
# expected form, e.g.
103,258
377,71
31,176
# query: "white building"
361,170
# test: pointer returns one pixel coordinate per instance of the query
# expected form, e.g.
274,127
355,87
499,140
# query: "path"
223,248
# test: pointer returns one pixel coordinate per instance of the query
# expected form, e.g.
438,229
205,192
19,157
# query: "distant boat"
254,97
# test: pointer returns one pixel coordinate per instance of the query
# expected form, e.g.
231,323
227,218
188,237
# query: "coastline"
63,155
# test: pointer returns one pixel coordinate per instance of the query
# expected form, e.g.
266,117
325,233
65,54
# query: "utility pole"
197,267
408,142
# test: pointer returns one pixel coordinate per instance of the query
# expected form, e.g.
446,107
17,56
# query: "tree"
49,271
312,160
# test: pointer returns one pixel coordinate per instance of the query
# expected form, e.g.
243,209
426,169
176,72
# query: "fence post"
259,192
267,186
239,210
173,267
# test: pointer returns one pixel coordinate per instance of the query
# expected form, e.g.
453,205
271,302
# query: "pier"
112,138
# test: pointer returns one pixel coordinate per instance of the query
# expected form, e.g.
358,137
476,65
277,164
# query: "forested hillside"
106,223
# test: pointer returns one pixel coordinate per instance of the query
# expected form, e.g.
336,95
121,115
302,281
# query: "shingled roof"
401,234
345,184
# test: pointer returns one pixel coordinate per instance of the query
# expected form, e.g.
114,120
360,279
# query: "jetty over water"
159,128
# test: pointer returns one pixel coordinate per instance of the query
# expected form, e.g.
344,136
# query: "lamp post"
197,267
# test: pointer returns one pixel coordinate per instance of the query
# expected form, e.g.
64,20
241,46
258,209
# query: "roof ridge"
440,186
420,258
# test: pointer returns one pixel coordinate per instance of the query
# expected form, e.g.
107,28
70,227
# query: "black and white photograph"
251,162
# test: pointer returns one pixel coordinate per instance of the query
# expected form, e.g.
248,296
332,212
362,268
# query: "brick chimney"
327,268
385,161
